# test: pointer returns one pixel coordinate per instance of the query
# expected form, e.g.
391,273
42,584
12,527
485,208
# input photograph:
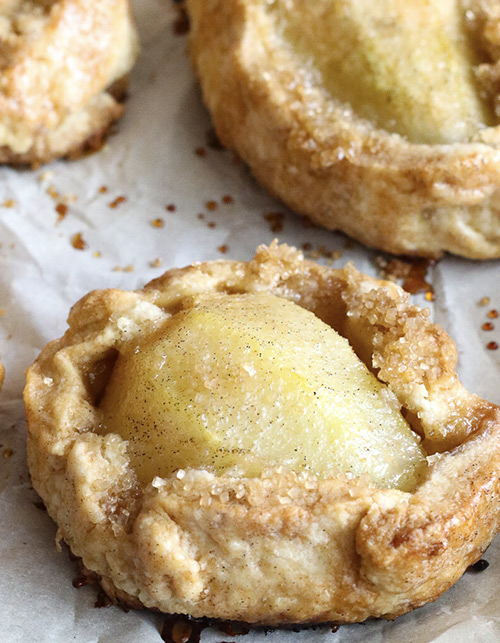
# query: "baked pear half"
273,442
63,73
379,119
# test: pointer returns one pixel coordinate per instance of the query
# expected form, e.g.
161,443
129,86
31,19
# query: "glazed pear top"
245,382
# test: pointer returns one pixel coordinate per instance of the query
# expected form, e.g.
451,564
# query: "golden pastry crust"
282,547
63,73
324,160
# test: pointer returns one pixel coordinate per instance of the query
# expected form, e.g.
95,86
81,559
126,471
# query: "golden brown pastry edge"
283,548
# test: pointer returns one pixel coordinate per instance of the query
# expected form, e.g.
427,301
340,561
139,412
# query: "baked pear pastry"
63,71
379,119
272,442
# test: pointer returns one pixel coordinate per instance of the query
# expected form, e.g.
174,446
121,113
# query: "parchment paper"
161,156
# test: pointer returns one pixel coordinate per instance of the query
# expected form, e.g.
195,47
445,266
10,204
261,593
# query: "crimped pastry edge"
283,548
338,170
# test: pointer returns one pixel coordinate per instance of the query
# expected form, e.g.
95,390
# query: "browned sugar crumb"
78,242
201,152
224,248
211,224
171,207
103,189
484,301
211,205
46,175
158,223
413,274
275,220
493,314
96,254
156,263
62,211
308,223
213,140
487,326
116,202
181,25
227,198
9,203
52,192
8,452
492,346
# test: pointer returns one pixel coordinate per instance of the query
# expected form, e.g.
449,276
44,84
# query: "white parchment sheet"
161,156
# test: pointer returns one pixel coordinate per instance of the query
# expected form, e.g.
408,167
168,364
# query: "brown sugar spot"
171,207
201,152
227,198
79,581
321,252
78,242
156,263
181,25
62,211
211,205
224,248
211,224
46,175
412,273
307,223
103,600
52,192
213,140
234,628
492,346
275,220
200,215
119,199
478,566
484,301
103,189
158,223
8,452
182,629
128,268
9,203
493,314
39,505
96,254
487,326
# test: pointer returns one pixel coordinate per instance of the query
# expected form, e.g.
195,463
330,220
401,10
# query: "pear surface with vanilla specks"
253,381
379,119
